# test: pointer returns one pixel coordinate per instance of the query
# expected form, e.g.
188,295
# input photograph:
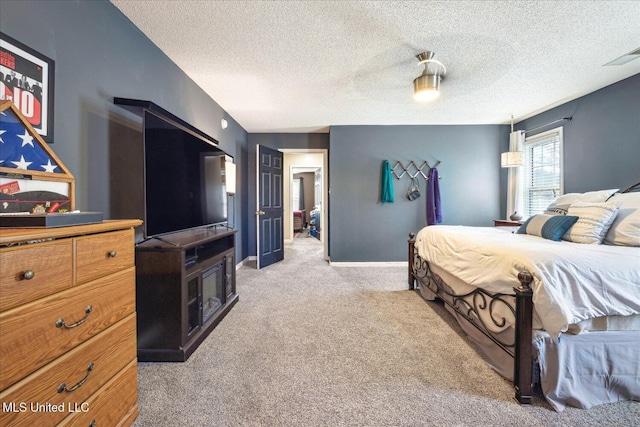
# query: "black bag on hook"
414,189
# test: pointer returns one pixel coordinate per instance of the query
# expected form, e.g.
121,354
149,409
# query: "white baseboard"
370,264
247,259
343,264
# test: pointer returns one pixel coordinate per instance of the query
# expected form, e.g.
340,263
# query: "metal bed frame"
471,307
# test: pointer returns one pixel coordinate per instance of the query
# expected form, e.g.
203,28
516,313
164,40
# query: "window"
542,170
295,192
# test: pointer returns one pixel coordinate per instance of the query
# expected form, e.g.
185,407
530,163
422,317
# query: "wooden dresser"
68,325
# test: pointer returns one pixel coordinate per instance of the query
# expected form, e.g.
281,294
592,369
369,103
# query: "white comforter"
572,281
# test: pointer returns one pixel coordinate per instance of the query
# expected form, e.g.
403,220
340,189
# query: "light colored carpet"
303,234
313,345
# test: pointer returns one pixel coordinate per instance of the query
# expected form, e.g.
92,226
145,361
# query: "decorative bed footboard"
480,309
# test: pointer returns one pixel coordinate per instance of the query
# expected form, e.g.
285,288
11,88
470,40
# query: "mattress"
604,323
572,282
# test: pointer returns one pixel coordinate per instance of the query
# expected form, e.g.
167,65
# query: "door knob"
260,213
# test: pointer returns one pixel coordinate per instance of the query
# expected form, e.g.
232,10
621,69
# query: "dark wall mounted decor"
27,78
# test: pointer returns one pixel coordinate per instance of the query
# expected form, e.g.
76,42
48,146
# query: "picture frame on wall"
27,78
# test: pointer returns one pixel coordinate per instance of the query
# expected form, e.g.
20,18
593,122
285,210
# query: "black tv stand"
184,287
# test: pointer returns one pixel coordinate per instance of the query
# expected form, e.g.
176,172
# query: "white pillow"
597,196
560,206
625,230
594,220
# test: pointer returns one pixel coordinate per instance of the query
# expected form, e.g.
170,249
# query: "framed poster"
27,78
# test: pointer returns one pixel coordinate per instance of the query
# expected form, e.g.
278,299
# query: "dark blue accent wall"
99,54
602,141
363,229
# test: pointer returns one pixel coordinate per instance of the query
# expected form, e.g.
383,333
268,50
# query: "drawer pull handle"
63,387
28,275
92,423
60,322
112,254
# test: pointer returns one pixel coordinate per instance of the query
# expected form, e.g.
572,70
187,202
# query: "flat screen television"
184,179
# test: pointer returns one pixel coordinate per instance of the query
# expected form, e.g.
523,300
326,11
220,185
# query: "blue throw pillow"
550,227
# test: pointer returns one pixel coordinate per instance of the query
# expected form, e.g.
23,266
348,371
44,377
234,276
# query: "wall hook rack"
411,167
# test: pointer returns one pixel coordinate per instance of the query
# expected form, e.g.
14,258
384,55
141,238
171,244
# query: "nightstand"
506,223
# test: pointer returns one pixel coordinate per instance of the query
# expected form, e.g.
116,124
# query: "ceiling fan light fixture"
427,86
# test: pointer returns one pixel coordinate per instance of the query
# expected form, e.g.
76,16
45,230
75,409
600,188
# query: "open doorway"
306,202
305,208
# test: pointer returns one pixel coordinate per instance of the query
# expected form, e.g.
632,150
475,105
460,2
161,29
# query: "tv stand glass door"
193,304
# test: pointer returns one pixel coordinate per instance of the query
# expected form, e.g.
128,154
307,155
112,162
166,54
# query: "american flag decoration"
19,149
30,172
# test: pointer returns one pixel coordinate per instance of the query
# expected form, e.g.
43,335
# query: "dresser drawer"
101,254
107,353
32,335
51,264
114,404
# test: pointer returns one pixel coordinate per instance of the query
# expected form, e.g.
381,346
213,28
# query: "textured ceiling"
302,66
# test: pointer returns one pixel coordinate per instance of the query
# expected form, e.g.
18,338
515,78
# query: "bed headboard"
633,189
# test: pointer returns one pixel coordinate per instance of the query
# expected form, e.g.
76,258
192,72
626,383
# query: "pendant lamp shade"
511,159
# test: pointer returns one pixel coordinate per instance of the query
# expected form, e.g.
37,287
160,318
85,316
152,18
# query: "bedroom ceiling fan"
426,87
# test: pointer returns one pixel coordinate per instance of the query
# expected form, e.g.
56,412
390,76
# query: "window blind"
543,170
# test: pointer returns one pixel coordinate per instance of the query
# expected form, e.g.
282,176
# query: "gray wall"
363,229
99,54
602,141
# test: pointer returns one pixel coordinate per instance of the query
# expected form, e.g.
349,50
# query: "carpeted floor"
302,234
313,345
